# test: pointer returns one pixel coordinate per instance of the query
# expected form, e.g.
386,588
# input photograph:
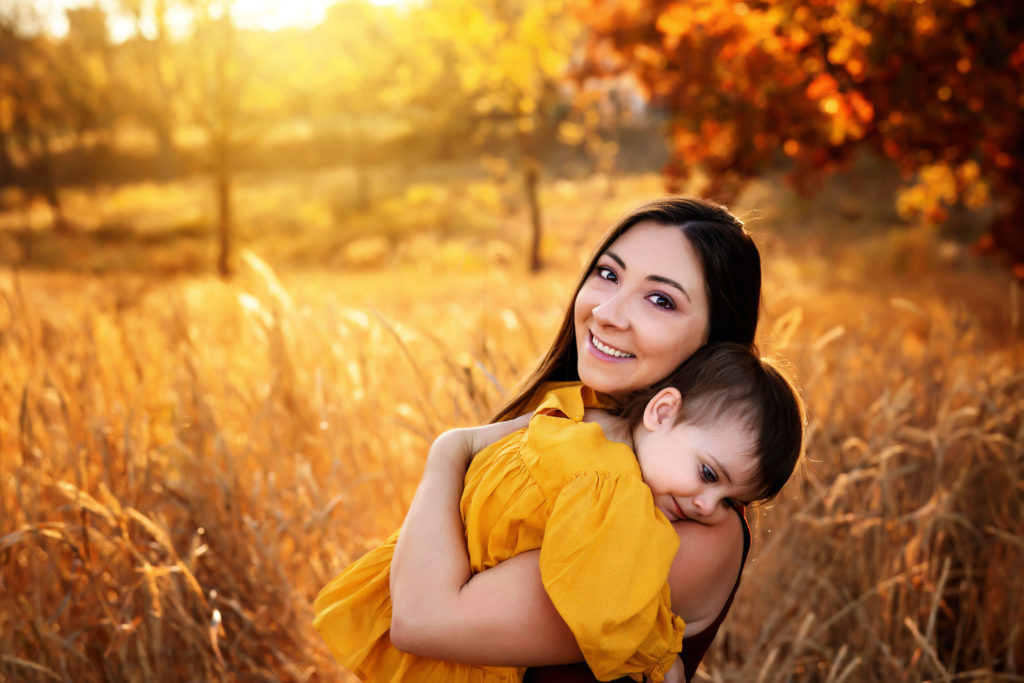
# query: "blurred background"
255,255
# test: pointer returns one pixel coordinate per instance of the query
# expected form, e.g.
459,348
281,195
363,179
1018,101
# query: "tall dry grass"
185,464
897,554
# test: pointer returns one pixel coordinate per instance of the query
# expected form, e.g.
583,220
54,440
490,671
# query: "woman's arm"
427,532
435,612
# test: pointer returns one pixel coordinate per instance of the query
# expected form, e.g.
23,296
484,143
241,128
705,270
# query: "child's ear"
662,409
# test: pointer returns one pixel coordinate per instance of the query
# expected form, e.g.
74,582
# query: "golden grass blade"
164,540
86,502
926,648
31,666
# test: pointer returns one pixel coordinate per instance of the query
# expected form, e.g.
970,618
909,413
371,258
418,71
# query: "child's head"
726,427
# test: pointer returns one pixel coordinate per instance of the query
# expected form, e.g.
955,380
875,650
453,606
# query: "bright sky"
265,14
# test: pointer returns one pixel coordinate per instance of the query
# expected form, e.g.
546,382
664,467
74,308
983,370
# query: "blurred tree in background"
937,87
52,95
219,91
149,79
511,57
360,87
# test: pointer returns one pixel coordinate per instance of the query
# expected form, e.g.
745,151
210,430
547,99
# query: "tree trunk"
167,153
227,95
362,191
48,185
358,152
1008,234
7,170
531,178
223,222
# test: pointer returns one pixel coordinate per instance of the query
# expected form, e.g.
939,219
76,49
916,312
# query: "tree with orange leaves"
937,87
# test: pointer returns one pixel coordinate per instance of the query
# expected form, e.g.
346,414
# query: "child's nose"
706,503
702,505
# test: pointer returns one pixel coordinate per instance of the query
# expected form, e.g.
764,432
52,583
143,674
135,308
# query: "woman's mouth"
609,350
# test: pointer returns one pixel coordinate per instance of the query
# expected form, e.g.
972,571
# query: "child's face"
698,472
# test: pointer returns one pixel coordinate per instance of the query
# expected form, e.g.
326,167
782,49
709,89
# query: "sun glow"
273,15
267,15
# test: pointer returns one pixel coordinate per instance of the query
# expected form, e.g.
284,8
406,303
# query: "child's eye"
708,475
662,301
606,273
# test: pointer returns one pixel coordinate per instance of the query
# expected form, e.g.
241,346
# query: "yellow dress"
605,550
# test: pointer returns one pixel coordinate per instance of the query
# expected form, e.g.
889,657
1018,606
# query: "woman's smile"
608,349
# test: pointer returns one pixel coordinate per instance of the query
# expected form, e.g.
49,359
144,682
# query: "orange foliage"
926,84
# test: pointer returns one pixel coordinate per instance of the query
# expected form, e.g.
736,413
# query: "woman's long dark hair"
732,278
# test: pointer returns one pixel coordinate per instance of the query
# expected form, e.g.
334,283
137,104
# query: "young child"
596,489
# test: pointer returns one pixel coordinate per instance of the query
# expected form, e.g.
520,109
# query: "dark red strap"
694,647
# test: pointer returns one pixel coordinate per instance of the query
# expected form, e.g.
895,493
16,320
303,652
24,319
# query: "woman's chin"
605,383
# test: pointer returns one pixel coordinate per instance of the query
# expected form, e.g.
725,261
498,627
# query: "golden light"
269,15
273,15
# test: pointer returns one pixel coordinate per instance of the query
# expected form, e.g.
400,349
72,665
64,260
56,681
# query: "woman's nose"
612,312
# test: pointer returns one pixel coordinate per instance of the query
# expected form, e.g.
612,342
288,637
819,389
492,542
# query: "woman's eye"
707,474
606,273
662,301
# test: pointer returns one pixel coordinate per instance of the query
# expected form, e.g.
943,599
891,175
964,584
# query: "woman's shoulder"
566,448
704,574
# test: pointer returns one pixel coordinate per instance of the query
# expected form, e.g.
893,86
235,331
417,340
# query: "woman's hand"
501,617
431,565
674,675
475,439
457,447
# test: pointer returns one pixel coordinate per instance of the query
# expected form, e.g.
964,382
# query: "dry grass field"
184,462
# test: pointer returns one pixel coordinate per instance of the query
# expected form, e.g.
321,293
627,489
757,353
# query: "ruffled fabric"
353,615
503,506
353,611
604,562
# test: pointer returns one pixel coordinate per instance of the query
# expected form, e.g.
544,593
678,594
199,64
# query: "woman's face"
642,310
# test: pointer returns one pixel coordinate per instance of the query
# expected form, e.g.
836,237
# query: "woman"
670,277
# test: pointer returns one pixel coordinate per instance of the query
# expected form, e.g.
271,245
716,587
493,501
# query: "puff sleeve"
604,563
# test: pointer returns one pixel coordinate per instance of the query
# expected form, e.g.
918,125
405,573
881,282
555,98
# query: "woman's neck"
614,428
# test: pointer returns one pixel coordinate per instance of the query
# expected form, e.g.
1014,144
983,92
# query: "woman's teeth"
604,348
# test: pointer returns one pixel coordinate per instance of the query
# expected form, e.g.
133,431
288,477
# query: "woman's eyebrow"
671,283
615,257
654,278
